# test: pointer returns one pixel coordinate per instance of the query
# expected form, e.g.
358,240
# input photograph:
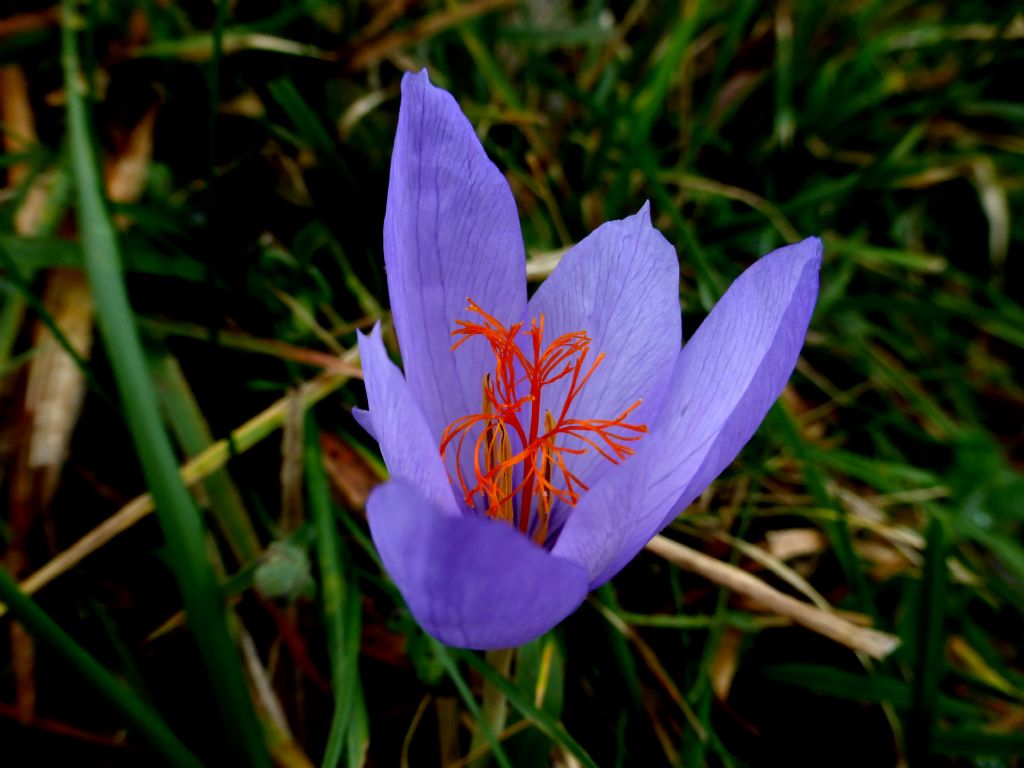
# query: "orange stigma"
511,415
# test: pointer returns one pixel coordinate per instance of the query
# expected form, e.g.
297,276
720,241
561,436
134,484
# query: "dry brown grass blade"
285,749
447,714
766,560
870,641
56,386
410,732
740,195
291,463
475,754
45,407
46,725
54,392
28,22
23,665
965,655
725,662
125,174
18,136
791,543
543,263
16,114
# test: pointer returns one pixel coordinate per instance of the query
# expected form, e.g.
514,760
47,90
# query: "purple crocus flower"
536,446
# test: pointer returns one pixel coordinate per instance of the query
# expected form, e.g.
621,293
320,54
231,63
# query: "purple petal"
470,582
408,448
611,523
364,420
451,231
726,379
621,286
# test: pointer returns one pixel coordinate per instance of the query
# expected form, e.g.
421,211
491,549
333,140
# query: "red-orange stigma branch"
544,473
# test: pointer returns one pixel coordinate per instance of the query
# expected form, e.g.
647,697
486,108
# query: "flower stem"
494,706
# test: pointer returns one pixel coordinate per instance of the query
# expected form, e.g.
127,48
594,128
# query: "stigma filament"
537,474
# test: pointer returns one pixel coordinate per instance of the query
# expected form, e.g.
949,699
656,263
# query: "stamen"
545,474
544,500
499,449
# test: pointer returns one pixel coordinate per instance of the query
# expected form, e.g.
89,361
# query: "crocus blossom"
535,446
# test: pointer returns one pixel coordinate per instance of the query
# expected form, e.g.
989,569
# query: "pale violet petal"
727,377
469,581
409,450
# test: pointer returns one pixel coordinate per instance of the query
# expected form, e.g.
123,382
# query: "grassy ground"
243,151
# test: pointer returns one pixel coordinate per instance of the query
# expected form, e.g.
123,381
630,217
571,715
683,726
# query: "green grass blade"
931,621
115,693
341,604
876,689
187,422
358,739
179,519
12,313
977,743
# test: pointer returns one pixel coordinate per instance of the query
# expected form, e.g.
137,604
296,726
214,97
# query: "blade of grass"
931,643
358,739
115,693
341,604
876,688
12,313
871,641
179,519
193,434
970,742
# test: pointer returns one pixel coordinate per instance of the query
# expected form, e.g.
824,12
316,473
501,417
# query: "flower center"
535,471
